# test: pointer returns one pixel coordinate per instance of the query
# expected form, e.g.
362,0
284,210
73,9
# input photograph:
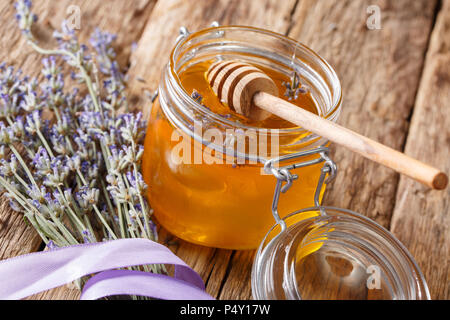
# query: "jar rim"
331,114
417,280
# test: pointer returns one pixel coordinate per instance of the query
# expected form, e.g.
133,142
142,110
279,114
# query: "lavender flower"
31,102
33,122
77,179
294,87
51,245
24,16
87,198
137,183
133,130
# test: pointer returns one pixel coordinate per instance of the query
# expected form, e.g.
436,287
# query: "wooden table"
396,83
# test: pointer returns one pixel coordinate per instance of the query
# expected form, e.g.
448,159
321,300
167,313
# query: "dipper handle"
362,145
250,92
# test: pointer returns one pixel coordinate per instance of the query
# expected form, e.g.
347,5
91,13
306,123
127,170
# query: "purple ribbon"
28,274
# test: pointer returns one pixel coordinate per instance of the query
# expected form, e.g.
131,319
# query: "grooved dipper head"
235,82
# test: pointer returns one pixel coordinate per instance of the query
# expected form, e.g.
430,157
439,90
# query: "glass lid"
331,253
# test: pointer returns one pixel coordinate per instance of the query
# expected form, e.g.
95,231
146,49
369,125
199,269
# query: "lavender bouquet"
69,161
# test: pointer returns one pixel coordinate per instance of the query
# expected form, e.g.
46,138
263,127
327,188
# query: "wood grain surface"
391,94
421,218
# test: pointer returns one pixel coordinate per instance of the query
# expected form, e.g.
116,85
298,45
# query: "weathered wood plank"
237,284
147,62
379,72
421,218
125,19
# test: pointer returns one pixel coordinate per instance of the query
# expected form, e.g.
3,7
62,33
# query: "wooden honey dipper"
250,92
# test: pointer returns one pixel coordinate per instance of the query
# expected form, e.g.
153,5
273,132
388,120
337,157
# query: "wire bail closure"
285,176
184,32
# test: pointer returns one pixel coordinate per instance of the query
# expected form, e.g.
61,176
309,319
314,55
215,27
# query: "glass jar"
334,254
228,205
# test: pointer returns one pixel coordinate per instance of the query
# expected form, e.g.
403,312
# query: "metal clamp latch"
285,176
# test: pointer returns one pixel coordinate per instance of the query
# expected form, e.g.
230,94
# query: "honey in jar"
227,204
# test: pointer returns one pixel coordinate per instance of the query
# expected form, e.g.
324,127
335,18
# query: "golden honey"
219,205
